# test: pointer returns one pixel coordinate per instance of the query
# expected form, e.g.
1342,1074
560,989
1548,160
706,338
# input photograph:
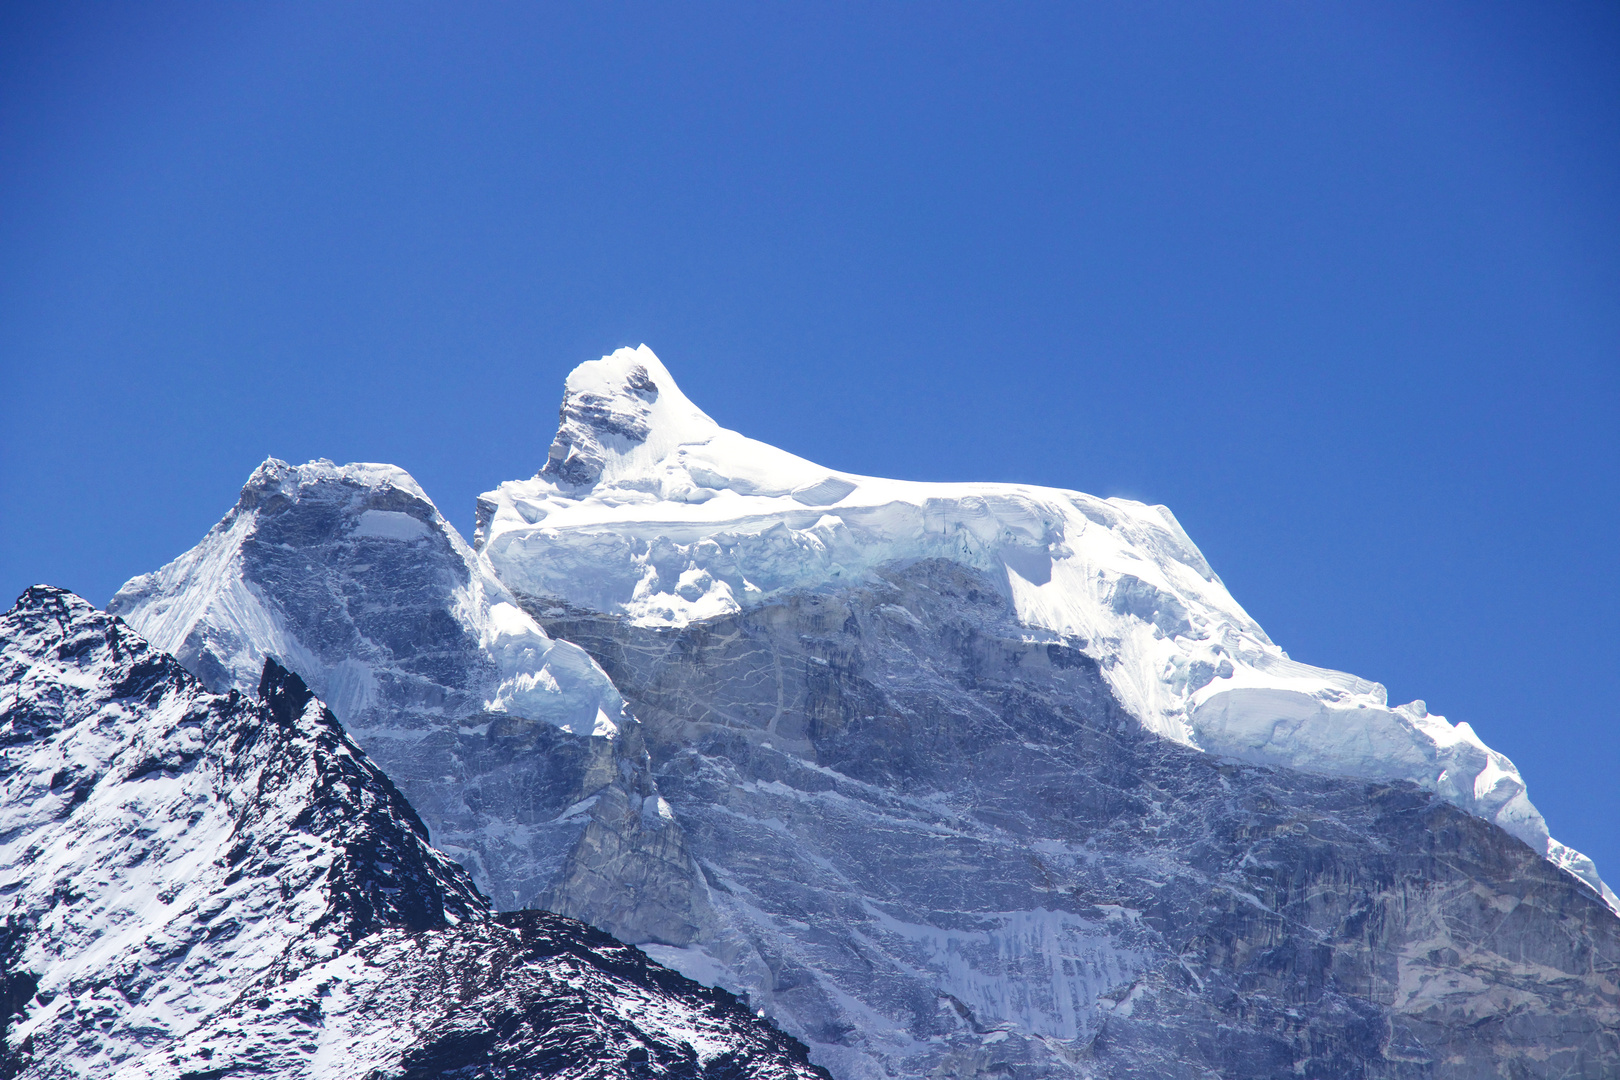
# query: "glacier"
648,509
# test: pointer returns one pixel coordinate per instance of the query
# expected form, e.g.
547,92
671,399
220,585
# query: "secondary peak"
617,409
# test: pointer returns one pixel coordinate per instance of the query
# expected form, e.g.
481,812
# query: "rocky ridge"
204,885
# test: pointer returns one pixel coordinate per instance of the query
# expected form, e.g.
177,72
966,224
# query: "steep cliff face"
203,885
936,845
514,747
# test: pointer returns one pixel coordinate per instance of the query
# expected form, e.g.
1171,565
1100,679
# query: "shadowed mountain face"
932,843
208,885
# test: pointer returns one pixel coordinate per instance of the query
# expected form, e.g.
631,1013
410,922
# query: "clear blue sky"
1340,283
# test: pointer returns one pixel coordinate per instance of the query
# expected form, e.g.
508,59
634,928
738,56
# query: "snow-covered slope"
200,885
648,509
516,749
161,847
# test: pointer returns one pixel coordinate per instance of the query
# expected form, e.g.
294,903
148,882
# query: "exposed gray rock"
935,845
590,422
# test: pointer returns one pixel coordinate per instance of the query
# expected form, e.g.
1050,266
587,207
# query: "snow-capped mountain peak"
627,436
511,744
210,607
620,413
648,510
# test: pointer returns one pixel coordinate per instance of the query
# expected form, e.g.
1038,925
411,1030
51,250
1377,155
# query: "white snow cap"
624,421
648,509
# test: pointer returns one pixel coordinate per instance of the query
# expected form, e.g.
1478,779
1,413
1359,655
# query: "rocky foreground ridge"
196,885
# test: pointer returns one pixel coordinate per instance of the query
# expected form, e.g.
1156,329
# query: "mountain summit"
618,413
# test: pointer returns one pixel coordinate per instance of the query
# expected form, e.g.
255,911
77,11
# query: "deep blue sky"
1340,283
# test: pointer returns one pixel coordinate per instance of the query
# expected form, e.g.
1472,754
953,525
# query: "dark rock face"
525,994
932,844
206,885
590,420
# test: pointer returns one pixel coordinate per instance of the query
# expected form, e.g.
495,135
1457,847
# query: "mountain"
203,885
959,780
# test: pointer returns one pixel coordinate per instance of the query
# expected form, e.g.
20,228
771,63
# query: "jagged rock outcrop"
521,994
212,885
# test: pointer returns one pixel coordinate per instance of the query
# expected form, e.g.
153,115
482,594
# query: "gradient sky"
1339,283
